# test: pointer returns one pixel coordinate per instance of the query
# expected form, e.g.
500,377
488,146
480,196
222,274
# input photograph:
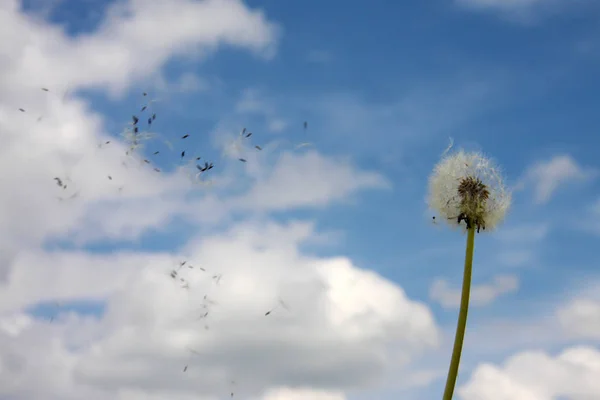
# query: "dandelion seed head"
468,187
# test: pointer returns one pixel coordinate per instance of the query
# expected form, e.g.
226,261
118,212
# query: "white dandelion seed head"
470,186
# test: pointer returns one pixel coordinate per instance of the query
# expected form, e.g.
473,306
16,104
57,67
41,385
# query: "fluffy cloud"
333,311
481,295
134,40
580,318
202,333
535,375
58,136
308,180
287,394
547,177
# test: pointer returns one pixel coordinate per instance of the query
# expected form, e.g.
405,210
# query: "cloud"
502,5
277,125
185,83
523,233
341,326
132,43
520,243
546,178
334,311
307,394
591,221
581,318
308,180
535,375
481,295
319,57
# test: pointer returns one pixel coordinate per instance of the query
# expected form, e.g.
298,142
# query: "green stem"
462,317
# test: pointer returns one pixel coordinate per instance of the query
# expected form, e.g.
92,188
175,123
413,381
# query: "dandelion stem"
462,317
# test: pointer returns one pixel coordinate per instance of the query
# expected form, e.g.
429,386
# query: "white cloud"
302,394
308,179
535,375
277,125
481,295
580,318
131,44
335,312
516,258
546,178
185,83
344,325
64,142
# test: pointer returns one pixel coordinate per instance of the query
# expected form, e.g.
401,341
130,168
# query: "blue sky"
384,88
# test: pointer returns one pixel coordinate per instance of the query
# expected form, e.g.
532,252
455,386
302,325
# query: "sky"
306,264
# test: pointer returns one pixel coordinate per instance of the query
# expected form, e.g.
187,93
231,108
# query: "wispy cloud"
545,178
319,57
481,294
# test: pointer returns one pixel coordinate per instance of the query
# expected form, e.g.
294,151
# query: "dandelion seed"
135,120
143,109
157,170
242,159
22,110
249,134
44,89
305,144
182,154
155,153
258,147
110,177
185,136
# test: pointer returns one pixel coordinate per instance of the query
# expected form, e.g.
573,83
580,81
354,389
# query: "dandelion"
468,192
